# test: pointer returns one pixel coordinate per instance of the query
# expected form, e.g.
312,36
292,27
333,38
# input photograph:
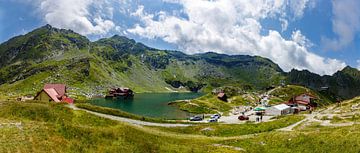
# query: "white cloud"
233,27
75,15
346,24
298,6
301,39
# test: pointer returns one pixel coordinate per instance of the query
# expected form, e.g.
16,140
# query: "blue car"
213,120
216,116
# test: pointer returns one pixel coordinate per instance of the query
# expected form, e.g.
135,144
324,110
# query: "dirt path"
225,119
290,128
127,120
310,118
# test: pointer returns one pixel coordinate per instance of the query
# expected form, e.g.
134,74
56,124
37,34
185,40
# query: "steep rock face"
305,77
343,83
346,82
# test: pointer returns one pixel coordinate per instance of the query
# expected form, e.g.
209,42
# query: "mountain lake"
150,104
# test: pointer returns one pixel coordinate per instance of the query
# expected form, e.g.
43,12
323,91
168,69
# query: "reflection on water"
150,104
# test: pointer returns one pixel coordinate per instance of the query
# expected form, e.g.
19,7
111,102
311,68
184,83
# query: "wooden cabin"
304,100
120,93
222,96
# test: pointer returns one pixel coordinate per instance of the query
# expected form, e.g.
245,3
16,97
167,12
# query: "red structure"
304,100
54,92
120,92
59,88
222,96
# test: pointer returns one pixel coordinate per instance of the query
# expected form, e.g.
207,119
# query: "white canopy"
281,107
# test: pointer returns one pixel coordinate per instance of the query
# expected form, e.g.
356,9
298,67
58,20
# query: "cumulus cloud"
301,39
76,15
345,22
298,6
233,27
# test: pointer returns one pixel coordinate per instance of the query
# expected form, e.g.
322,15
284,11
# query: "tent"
277,110
259,109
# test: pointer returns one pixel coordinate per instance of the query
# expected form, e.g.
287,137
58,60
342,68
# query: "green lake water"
150,104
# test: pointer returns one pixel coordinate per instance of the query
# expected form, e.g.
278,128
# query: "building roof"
259,109
59,88
281,107
303,102
68,100
307,95
304,99
52,94
221,94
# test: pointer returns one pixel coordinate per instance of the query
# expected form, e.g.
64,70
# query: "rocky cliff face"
343,83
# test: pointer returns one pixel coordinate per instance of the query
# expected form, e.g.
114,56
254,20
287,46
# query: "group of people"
259,118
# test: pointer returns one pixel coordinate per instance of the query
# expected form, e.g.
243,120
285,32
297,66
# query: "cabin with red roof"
303,100
53,93
222,96
120,92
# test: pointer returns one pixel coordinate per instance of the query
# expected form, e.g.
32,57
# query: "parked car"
243,117
213,120
196,118
217,116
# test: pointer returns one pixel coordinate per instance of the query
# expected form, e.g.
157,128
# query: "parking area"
233,119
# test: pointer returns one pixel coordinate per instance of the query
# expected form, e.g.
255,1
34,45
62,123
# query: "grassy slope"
329,140
282,94
121,113
55,128
345,112
84,75
313,137
209,103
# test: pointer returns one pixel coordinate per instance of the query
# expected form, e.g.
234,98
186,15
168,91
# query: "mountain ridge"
48,54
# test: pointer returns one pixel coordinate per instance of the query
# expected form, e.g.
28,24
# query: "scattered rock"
207,129
263,143
232,147
18,125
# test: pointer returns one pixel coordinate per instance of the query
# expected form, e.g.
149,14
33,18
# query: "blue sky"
318,35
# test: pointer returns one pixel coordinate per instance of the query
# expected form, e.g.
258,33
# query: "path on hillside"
310,118
127,120
290,127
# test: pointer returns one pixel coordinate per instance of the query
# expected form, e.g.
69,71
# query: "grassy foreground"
46,127
43,127
316,140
